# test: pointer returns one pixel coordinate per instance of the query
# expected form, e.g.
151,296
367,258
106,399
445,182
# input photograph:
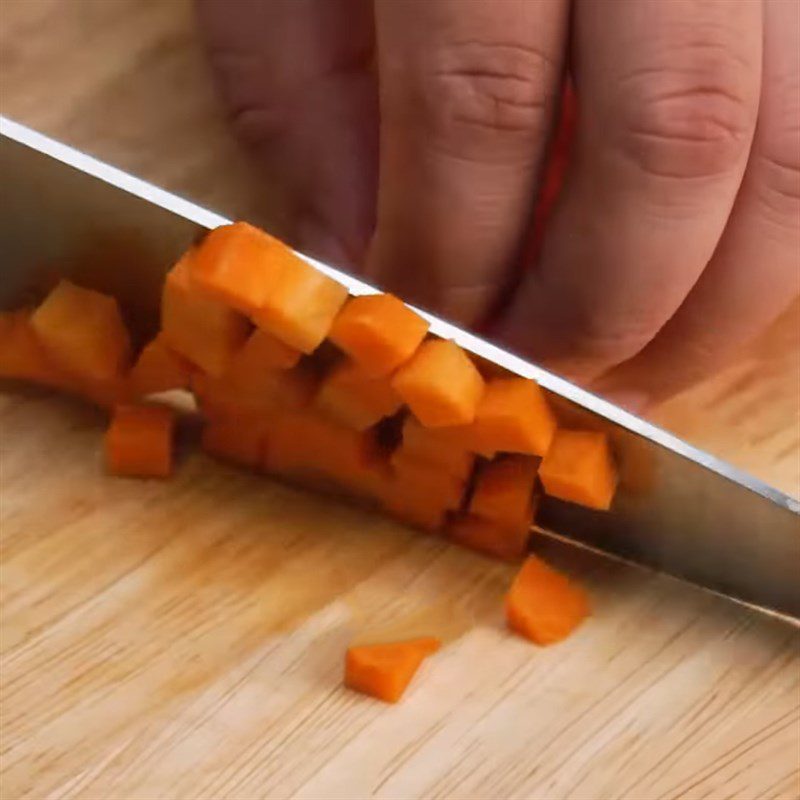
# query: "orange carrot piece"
203,331
83,332
504,491
263,351
355,399
384,671
440,384
379,332
492,538
159,369
513,416
428,480
301,305
139,441
239,440
579,467
237,265
543,605
436,446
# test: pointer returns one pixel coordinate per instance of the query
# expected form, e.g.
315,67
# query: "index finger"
467,92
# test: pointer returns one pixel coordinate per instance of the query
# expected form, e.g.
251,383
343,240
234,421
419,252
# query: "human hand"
676,237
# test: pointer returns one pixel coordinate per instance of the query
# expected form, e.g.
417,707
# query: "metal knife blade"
678,510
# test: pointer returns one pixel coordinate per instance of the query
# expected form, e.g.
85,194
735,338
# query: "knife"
677,510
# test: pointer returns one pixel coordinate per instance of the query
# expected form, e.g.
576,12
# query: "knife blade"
678,510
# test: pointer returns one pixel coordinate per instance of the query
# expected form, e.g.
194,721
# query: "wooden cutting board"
185,639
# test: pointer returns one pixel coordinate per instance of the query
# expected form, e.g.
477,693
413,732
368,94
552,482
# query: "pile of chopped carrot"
292,377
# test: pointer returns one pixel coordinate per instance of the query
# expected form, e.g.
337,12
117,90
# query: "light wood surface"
185,639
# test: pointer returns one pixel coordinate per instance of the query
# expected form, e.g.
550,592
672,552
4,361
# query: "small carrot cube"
263,351
159,369
83,332
429,480
204,331
440,384
379,332
239,440
543,605
492,538
579,467
301,305
384,671
237,265
441,447
504,491
513,416
139,441
355,399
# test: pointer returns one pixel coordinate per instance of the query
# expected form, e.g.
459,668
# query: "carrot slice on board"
301,305
379,332
239,440
356,399
384,671
139,441
492,538
204,331
504,491
238,265
543,605
579,467
440,384
513,416
159,369
83,332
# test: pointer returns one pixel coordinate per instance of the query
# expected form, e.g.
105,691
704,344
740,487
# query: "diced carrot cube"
355,399
513,416
543,605
579,467
263,351
159,369
239,440
204,331
139,441
384,671
301,305
379,332
440,384
501,540
237,265
436,447
504,491
83,332
427,480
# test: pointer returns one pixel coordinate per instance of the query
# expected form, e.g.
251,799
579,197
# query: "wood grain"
185,639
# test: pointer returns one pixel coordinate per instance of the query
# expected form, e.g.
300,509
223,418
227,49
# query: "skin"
406,139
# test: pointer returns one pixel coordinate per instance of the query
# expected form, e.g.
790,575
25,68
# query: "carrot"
543,605
355,399
83,332
513,416
138,442
203,331
237,265
239,440
159,369
384,671
301,305
263,351
502,540
504,491
379,332
428,480
438,447
579,467
440,384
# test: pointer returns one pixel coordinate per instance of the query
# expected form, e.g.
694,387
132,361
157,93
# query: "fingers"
667,103
755,272
466,97
297,77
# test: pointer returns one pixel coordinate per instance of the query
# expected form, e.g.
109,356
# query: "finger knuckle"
485,99
690,115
